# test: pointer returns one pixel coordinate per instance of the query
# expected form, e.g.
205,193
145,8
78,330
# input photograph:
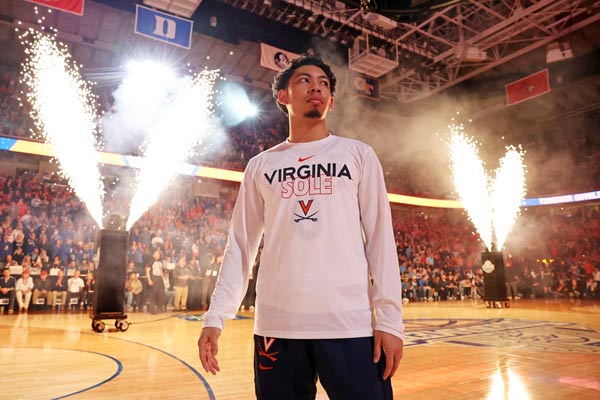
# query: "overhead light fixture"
470,53
558,51
380,20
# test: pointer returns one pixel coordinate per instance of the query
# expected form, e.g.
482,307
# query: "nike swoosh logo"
260,366
302,159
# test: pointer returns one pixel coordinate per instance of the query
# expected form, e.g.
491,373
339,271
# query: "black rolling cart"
109,295
494,286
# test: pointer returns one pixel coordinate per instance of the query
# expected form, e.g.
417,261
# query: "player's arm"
380,250
245,232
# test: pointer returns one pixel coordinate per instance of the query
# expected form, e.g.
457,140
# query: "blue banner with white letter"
164,27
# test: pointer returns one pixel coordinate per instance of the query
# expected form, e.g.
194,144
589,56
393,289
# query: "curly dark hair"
282,78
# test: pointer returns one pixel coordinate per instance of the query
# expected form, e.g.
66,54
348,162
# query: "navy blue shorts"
287,369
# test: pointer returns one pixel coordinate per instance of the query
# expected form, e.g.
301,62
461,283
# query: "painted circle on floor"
40,373
562,337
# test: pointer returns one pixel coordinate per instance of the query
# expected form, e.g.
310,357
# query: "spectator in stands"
6,248
75,289
136,255
574,288
591,288
181,276
24,290
424,291
511,281
169,293
57,263
209,280
90,286
133,291
42,288
59,291
7,289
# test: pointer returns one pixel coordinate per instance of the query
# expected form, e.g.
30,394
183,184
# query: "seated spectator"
59,291
591,288
42,287
90,286
438,290
75,288
133,291
7,289
424,291
573,290
57,263
562,289
24,290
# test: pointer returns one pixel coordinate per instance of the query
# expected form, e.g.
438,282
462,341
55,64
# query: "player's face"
308,93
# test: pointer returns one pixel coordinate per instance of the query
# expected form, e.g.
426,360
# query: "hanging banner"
527,88
362,85
164,27
275,58
70,6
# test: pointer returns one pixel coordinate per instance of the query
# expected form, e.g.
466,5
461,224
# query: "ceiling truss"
444,47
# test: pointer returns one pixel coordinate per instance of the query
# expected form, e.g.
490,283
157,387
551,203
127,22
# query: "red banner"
528,87
72,6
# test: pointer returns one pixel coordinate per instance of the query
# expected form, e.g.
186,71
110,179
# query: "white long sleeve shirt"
24,285
326,219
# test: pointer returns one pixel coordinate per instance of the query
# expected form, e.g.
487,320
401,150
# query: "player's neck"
307,130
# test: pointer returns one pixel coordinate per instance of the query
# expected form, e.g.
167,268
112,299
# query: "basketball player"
328,295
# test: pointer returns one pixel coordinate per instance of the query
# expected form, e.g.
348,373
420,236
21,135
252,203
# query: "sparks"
64,114
471,183
492,206
507,191
185,121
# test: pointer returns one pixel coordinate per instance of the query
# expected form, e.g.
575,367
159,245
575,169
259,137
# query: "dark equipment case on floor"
109,294
494,285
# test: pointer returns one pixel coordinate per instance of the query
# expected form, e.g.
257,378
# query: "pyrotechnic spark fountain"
493,214
507,191
471,183
184,122
64,113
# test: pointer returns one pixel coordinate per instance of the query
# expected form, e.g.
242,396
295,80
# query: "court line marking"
209,390
110,378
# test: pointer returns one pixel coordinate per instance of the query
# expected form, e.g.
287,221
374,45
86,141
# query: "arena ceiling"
441,46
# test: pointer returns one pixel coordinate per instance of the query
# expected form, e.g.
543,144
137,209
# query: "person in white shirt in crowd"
75,286
24,290
328,292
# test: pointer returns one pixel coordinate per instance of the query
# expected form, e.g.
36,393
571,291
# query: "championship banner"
163,27
274,58
363,86
70,6
527,88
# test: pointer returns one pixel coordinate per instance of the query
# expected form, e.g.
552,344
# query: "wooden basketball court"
453,350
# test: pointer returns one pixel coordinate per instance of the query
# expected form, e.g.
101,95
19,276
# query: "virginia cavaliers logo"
263,352
306,211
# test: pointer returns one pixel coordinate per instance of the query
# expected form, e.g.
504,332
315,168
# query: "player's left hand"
393,347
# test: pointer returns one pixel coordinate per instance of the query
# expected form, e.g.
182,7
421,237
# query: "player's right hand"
208,346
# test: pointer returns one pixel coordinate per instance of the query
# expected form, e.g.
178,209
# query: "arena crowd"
48,241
